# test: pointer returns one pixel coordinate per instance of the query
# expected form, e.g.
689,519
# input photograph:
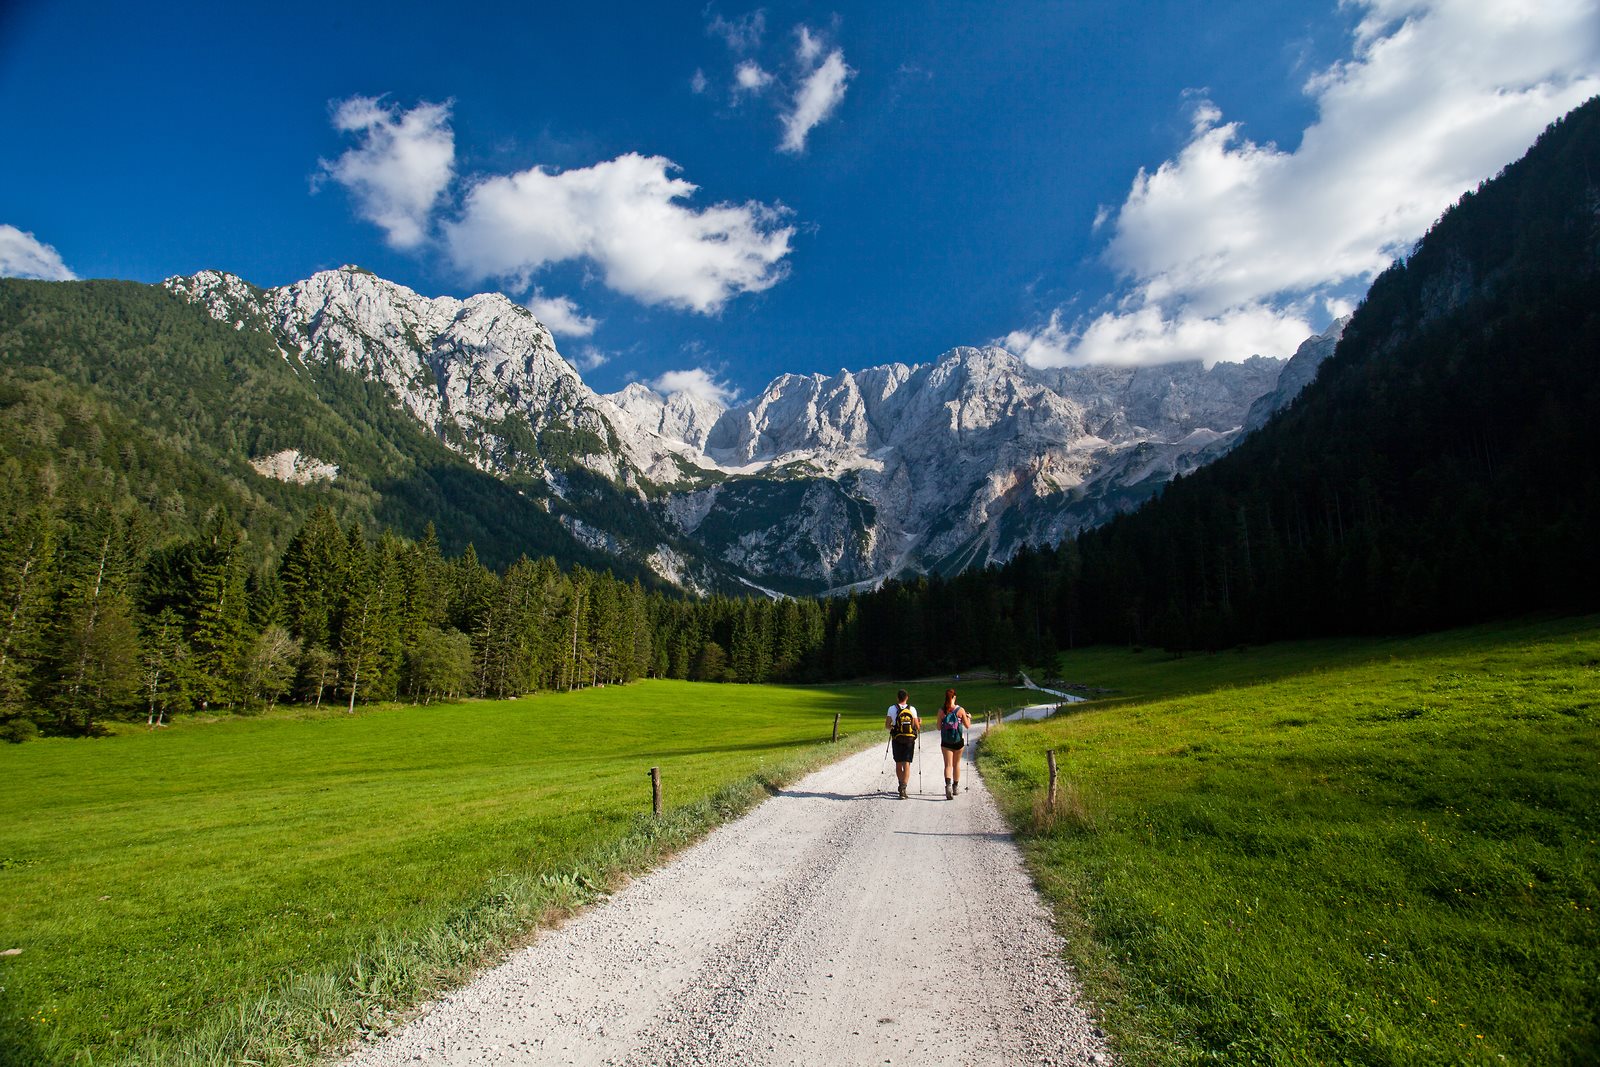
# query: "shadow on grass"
20,1045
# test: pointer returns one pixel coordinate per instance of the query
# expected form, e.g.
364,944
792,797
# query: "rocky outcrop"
290,466
1296,375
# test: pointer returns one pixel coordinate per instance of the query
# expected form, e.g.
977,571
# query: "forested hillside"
122,396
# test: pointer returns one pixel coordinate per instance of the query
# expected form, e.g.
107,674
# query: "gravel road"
834,924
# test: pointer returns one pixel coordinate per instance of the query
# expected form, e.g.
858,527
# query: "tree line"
99,620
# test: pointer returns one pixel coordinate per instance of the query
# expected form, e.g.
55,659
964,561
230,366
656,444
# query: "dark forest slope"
1441,468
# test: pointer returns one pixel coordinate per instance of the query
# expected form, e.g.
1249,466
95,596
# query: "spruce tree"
219,611
27,572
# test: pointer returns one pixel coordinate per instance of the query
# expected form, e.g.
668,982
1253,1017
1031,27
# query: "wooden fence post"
1050,758
655,789
836,726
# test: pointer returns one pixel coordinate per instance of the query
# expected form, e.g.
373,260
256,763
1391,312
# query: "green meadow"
1334,852
258,889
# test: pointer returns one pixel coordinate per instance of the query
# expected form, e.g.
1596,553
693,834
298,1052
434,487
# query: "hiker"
903,724
954,722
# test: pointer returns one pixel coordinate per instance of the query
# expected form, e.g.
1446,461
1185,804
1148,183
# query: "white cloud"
22,255
627,217
590,357
750,78
400,169
560,315
742,34
1147,336
808,48
696,381
1227,246
699,82
819,92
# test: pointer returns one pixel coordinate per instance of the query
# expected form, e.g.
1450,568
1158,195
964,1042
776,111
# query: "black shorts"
953,746
904,748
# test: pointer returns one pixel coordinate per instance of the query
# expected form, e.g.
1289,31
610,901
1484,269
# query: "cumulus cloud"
627,216
560,315
590,358
742,34
748,77
400,169
22,255
1228,248
1147,336
697,381
821,88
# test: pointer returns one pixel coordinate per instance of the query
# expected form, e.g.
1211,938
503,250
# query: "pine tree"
367,631
219,611
94,644
27,571
312,576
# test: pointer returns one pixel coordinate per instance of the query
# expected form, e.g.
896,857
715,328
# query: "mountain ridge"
816,482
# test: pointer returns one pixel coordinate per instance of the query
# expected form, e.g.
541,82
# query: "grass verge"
1378,852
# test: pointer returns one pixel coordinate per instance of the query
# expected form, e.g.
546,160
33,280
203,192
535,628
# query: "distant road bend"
833,924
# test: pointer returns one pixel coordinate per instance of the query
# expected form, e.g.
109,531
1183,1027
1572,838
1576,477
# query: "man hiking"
903,724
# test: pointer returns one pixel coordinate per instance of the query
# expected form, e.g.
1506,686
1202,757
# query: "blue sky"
713,195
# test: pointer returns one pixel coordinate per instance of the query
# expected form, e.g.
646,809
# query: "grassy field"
260,888
1333,852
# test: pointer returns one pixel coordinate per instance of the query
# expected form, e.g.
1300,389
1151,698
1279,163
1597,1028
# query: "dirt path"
832,925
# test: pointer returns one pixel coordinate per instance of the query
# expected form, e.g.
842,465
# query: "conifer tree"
312,577
94,644
27,571
367,628
219,611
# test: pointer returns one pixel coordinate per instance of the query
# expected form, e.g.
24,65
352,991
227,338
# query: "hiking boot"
955,787
947,793
902,792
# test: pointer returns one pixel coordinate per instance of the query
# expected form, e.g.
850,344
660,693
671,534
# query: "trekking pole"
972,757
919,764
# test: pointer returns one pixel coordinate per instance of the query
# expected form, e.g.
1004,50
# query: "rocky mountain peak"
679,416
1296,374
820,480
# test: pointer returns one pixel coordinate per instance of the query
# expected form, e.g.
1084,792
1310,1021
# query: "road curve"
834,924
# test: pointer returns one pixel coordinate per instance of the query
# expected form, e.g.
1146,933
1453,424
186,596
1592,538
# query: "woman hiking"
954,722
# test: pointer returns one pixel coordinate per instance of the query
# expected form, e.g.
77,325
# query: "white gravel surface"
834,924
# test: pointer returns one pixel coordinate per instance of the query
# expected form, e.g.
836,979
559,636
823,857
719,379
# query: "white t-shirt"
894,713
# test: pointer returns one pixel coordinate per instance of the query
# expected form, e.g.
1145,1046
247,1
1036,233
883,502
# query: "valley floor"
834,924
